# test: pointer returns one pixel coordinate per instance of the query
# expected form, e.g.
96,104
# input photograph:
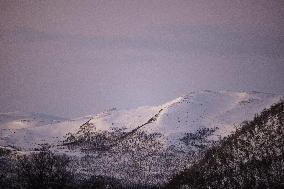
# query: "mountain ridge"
178,114
153,139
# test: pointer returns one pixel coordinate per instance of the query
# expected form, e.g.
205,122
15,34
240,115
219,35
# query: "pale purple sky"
73,58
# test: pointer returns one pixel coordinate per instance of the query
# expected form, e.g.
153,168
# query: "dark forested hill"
253,157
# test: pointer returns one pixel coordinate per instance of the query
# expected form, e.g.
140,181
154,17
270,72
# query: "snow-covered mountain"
12,122
17,120
142,143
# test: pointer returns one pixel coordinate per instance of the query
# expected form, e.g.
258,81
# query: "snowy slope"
144,145
16,120
12,123
188,113
185,114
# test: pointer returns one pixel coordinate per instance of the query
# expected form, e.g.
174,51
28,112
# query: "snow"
18,120
221,111
185,114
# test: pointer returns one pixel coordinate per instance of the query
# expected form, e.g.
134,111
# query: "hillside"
252,157
12,123
147,145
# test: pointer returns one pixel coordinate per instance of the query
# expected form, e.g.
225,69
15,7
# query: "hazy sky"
73,58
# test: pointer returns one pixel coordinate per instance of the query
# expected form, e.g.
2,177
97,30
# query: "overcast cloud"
73,58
